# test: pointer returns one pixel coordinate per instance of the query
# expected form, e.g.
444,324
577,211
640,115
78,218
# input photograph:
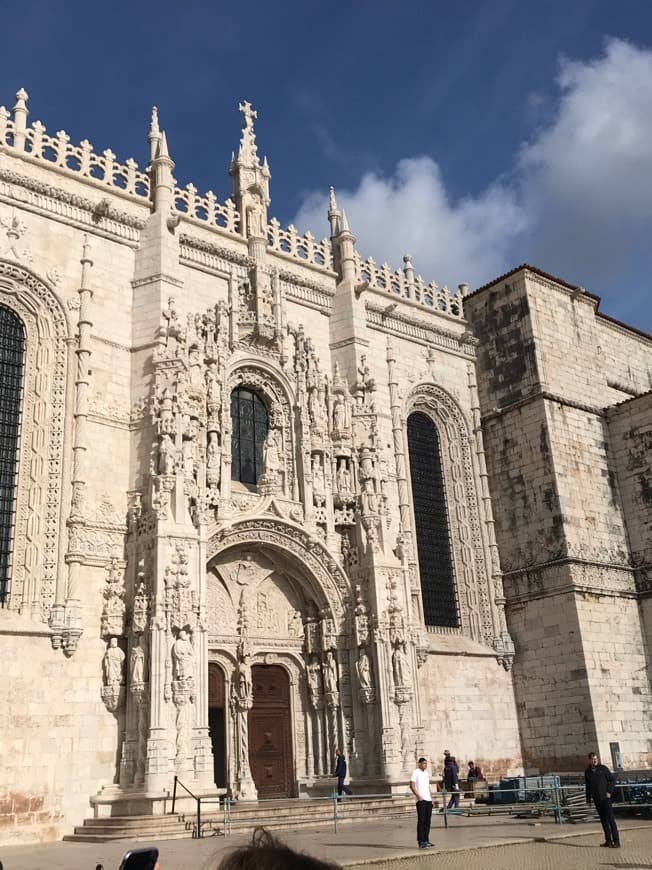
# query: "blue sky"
475,136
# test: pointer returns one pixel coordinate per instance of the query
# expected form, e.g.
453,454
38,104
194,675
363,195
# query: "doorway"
270,734
217,722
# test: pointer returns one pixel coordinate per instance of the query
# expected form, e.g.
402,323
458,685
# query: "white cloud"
577,202
410,212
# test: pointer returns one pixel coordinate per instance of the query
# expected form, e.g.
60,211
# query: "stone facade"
162,617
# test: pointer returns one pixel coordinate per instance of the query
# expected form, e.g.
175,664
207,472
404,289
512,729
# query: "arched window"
431,520
12,355
248,431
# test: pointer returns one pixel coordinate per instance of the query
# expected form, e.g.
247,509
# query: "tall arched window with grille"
248,430
12,357
438,591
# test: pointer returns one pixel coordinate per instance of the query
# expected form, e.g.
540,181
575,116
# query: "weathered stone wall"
560,522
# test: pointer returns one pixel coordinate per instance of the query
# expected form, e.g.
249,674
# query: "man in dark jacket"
340,773
451,780
600,783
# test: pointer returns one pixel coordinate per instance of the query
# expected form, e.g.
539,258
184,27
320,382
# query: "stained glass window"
248,431
12,354
431,519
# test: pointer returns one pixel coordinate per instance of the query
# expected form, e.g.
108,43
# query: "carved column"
503,643
72,628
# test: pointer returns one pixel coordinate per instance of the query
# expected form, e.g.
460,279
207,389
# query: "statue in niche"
400,666
343,477
182,657
295,624
141,606
313,673
272,452
363,667
315,407
255,217
113,664
195,368
166,455
318,483
213,390
339,413
213,459
188,453
330,672
244,680
369,498
166,413
137,664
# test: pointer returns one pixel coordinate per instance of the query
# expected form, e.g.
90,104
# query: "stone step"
244,819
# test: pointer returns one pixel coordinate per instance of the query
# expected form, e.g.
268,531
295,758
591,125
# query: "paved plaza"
478,843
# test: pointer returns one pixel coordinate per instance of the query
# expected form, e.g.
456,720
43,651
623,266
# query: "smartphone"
139,859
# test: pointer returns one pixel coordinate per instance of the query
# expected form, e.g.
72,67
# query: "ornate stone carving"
113,664
113,612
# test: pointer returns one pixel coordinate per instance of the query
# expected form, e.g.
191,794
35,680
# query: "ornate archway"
276,598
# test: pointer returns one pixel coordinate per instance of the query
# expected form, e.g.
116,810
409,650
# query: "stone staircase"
245,817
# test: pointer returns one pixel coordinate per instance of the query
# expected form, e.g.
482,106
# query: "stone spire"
334,214
154,136
250,179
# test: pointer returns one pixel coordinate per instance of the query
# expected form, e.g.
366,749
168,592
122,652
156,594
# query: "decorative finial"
21,97
163,146
85,257
344,224
153,127
248,153
332,202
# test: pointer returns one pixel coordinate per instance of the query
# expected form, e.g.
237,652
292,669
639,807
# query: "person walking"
420,788
452,781
600,783
340,773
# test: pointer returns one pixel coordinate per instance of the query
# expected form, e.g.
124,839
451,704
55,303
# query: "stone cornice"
44,198
550,579
542,394
191,247
404,325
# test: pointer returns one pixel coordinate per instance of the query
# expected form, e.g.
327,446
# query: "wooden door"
217,722
270,734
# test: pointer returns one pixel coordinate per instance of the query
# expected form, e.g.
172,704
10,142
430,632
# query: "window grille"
12,354
431,521
248,431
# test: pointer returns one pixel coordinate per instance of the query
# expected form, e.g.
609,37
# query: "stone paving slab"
381,847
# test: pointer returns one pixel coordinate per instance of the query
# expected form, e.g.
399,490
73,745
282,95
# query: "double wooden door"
270,734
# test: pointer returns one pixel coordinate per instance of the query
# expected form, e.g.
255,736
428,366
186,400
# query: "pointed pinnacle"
344,224
153,126
163,146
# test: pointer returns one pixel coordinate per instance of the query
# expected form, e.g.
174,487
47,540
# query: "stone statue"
339,414
400,667
343,477
295,624
314,677
363,666
113,664
182,657
166,455
213,458
137,664
318,483
272,452
245,685
330,672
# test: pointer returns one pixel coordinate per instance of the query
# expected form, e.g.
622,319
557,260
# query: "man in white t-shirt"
420,788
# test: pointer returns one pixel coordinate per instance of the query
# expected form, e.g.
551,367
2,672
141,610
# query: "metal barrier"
524,797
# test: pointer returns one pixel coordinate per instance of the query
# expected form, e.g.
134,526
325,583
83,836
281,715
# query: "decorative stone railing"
206,208
404,283
80,159
304,248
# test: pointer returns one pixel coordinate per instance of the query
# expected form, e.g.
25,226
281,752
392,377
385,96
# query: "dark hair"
421,759
267,853
591,754
471,763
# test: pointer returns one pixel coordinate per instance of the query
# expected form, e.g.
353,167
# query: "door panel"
270,736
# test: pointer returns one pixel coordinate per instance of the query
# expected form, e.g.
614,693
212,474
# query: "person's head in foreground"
267,853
